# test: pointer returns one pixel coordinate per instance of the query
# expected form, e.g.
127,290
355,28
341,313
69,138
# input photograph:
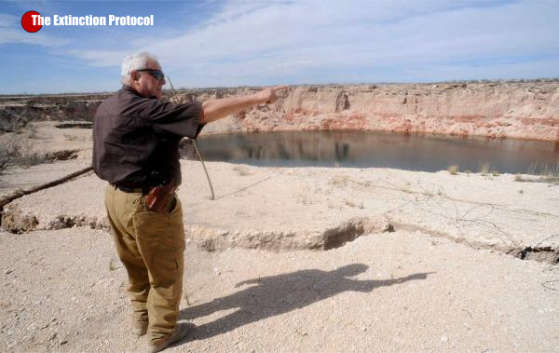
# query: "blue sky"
231,43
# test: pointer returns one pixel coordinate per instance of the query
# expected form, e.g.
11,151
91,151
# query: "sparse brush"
18,150
532,168
338,181
543,169
518,177
351,203
32,131
12,122
495,172
547,173
484,168
112,265
4,157
241,170
453,169
552,179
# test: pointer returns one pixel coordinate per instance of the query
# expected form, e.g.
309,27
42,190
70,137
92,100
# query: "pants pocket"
166,268
168,208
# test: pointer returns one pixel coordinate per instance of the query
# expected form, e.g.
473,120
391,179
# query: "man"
135,148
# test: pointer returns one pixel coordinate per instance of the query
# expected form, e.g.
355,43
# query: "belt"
143,190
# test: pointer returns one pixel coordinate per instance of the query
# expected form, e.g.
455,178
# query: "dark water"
367,149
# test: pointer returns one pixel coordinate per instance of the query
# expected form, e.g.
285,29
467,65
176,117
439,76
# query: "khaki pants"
151,247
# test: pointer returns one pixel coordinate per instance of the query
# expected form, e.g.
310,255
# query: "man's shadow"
275,295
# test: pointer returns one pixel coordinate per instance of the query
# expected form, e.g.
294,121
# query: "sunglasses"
156,74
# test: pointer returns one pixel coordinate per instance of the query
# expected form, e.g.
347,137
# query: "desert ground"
290,259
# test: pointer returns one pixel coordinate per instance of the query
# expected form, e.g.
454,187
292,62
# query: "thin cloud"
340,41
99,57
436,38
44,7
11,32
8,20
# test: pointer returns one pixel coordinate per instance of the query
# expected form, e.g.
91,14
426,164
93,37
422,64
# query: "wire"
194,142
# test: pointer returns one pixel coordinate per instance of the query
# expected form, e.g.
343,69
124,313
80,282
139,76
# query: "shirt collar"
130,89
133,91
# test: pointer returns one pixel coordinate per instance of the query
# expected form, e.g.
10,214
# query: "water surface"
373,149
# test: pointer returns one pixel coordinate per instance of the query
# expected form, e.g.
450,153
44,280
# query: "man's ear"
135,76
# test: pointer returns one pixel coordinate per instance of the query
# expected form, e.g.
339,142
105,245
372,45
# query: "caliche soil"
295,260
402,291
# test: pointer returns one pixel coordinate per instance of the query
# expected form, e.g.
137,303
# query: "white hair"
133,62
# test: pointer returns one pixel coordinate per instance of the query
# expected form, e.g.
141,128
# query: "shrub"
16,149
453,169
241,170
485,168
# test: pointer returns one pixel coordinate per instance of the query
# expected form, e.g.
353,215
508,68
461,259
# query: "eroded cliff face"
16,112
525,110
500,110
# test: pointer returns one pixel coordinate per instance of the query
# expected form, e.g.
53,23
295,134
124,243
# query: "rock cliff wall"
16,112
499,110
525,110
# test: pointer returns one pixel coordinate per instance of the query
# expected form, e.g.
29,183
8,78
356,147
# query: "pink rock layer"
523,110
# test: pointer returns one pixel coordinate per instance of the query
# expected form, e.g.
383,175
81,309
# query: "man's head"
143,73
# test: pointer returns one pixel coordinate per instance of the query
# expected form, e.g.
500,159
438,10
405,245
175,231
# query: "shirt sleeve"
180,119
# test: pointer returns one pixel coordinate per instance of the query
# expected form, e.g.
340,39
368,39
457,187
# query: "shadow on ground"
276,295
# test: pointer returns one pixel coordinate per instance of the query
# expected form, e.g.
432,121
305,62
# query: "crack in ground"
536,253
348,231
15,220
545,254
75,125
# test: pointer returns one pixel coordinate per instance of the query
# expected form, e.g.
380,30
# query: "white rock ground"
440,282
283,208
65,291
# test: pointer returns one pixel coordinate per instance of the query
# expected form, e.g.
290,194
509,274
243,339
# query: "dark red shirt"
136,139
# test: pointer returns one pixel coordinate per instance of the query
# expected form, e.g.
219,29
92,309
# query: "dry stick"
19,193
194,142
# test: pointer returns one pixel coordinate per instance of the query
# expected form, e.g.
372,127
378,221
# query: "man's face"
147,85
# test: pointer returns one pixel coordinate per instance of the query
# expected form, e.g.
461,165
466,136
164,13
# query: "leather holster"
158,196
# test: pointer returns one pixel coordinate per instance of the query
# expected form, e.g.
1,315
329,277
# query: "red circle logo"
28,24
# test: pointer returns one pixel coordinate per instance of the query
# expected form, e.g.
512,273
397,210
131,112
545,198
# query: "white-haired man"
136,148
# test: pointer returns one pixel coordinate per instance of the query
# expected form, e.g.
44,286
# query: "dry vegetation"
16,148
546,173
453,169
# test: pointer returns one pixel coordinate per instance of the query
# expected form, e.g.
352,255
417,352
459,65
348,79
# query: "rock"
497,109
15,221
526,110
